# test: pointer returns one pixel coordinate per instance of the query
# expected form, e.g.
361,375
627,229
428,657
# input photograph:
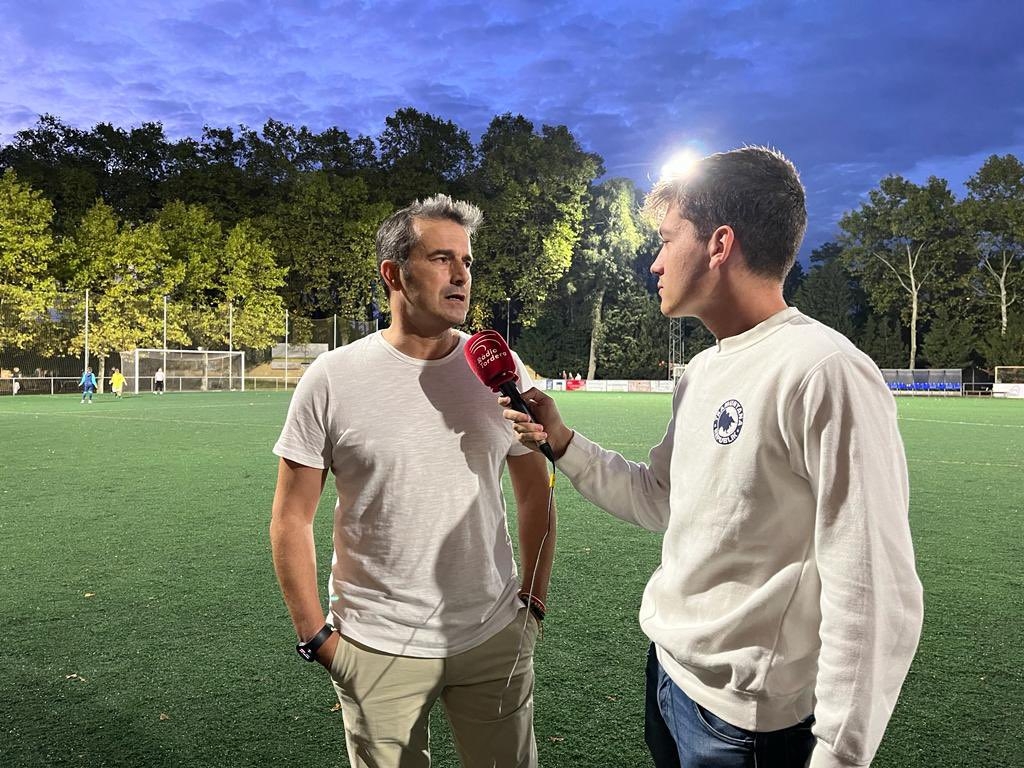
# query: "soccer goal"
185,370
1009,381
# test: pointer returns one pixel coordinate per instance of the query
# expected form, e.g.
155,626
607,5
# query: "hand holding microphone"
491,360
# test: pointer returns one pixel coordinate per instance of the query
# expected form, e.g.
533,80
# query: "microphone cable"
529,591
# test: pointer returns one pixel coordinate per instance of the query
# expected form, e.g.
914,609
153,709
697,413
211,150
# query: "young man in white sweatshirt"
787,608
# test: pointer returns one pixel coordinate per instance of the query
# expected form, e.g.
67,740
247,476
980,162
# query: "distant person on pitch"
787,608
87,384
425,599
117,381
158,381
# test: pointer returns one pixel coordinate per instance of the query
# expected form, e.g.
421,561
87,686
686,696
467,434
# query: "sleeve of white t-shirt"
635,492
871,598
304,438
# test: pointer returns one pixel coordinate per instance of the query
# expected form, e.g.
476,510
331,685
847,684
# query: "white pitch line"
964,423
965,463
150,419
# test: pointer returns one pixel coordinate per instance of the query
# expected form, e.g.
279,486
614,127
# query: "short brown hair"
754,190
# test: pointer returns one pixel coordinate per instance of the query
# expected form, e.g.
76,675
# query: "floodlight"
679,165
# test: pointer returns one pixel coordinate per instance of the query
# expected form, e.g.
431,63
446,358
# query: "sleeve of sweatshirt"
634,492
871,597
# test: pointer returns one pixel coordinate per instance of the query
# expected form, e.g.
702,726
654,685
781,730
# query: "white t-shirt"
787,581
423,563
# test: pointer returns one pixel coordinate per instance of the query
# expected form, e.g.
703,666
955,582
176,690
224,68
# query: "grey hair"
397,235
756,191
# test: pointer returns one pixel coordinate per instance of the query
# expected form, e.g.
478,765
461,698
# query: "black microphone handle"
508,389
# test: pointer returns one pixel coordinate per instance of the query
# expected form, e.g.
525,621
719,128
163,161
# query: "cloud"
850,91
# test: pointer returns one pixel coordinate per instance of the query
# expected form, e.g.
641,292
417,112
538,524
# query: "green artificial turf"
141,624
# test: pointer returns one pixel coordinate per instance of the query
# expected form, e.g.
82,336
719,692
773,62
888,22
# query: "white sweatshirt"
787,582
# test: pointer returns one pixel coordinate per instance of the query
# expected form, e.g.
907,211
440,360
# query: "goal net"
1009,381
185,370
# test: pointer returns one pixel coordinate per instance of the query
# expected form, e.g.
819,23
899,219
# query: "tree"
906,248
51,158
324,236
211,172
195,240
881,341
1005,348
794,279
422,155
993,214
533,189
250,287
133,163
27,290
825,294
613,234
557,341
635,337
124,167
335,152
128,271
696,337
950,341
129,309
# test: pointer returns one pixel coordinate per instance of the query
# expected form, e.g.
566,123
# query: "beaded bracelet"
535,604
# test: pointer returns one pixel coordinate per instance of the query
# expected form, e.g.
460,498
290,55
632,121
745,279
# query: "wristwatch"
307,649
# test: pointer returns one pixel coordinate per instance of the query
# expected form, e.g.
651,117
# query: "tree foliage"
906,247
951,339
993,215
534,190
422,155
613,235
825,294
240,224
27,287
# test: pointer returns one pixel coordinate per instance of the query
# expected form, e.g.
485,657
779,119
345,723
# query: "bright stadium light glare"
679,165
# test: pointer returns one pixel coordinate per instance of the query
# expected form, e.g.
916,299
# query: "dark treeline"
254,222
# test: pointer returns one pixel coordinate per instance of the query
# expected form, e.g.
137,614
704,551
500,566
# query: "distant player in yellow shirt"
117,383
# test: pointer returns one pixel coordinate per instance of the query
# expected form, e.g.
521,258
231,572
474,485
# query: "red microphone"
491,360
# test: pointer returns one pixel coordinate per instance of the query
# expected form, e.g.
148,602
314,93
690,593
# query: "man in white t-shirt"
786,610
425,599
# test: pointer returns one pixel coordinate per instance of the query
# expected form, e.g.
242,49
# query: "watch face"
304,652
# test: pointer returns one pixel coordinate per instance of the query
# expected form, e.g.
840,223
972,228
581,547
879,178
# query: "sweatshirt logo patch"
728,422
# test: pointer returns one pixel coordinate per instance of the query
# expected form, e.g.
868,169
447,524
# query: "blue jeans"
682,734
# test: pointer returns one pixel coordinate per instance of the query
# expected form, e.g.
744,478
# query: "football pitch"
141,623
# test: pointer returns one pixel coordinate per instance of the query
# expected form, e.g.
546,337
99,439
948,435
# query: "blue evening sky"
851,91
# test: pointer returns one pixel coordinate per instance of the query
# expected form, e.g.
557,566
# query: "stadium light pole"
86,330
164,356
231,344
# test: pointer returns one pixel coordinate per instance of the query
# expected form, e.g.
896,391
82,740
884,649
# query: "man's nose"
460,273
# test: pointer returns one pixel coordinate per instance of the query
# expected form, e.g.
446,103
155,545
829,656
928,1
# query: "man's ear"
391,274
721,246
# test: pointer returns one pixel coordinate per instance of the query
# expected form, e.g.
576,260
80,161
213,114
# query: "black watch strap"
308,649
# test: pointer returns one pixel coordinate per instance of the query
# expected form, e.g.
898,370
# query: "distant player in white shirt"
787,607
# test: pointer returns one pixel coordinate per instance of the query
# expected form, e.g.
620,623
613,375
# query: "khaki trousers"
386,702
